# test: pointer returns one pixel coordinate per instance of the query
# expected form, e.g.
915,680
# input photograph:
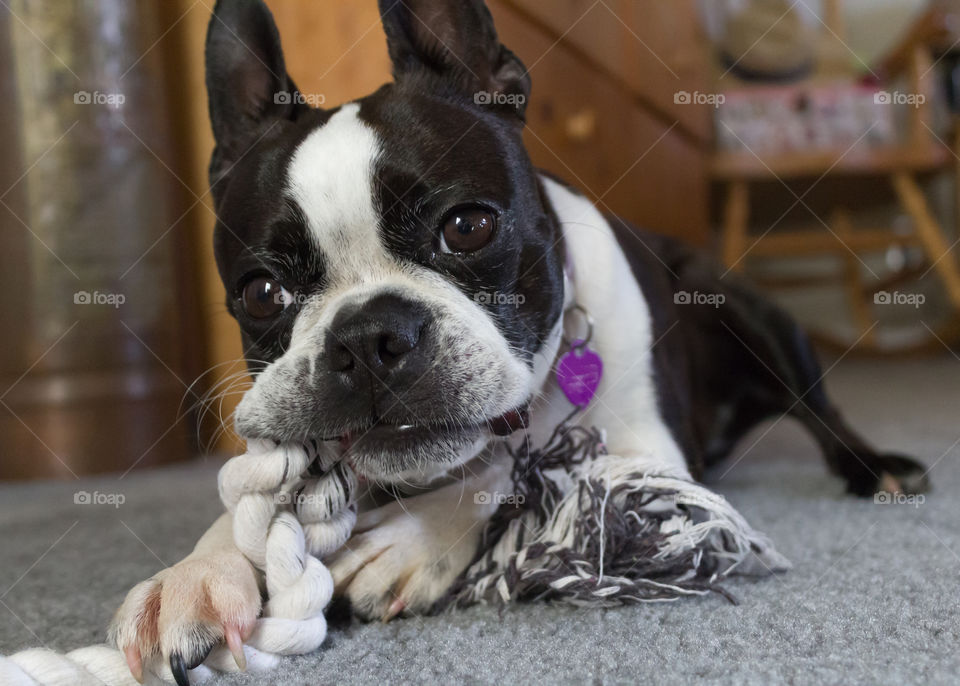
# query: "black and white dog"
402,275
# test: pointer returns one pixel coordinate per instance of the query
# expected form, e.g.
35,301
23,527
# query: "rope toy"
291,505
593,529
596,530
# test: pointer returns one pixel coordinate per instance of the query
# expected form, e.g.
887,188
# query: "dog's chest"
602,283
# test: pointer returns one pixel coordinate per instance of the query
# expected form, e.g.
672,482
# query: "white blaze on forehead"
331,179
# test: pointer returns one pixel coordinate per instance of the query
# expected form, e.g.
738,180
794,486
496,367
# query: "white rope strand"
93,666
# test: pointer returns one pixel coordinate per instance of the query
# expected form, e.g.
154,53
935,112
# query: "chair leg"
930,234
853,279
736,218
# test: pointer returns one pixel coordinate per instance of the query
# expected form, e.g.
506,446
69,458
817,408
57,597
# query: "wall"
872,25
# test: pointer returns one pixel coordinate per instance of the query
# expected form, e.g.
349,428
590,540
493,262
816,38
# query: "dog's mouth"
388,448
382,435
381,449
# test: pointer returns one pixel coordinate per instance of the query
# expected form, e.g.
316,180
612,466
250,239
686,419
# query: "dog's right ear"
247,83
456,41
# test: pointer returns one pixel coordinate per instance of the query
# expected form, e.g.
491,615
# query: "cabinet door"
651,48
589,129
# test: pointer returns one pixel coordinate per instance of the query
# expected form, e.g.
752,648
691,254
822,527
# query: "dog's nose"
375,336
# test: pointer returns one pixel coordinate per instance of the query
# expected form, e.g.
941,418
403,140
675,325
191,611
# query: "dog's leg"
777,372
848,455
182,612
405,556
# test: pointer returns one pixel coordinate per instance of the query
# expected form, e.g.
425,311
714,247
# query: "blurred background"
811,146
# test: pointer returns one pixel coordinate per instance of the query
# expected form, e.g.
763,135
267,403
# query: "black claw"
179,668
339,612
180,665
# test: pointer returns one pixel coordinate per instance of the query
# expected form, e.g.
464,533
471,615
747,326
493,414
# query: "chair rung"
819,241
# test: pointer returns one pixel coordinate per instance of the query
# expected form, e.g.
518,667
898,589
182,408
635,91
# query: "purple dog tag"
578,373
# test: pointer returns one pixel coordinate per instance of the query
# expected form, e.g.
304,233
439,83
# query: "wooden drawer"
651,47
585,128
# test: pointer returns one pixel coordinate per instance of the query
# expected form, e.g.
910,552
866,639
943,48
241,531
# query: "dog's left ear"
247,83
456,40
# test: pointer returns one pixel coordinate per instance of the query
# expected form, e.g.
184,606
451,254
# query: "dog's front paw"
402,558
180,613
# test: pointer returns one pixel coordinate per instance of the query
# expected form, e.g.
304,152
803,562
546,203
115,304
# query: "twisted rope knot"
291,505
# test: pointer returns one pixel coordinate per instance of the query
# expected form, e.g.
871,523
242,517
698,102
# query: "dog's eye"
264,297
467,229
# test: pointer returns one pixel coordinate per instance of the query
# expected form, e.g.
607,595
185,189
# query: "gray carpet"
874,596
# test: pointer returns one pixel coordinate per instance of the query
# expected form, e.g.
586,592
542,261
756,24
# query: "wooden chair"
918,152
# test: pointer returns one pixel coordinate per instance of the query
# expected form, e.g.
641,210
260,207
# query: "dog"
403,277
